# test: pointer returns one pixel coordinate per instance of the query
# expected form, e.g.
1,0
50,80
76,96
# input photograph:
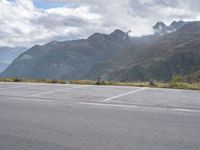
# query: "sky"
24,23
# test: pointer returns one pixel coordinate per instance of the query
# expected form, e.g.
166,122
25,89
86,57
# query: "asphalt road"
78,117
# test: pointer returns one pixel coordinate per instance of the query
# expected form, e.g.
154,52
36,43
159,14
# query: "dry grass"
178,85
32,80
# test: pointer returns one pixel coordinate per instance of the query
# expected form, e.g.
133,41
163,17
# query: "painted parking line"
184,110
27,99
56,91
108,105
16,87
140,107
33,100
121,95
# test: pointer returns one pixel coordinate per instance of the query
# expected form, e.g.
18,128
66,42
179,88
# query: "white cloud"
22,24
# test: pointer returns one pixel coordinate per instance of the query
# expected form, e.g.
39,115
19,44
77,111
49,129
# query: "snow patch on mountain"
161,28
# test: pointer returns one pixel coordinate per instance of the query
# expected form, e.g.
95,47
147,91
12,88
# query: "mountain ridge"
116,56
68,59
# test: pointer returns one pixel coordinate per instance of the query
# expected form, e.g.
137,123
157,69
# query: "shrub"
175,80
16,79
152,83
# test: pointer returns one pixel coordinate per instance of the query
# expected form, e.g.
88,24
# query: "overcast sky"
29,22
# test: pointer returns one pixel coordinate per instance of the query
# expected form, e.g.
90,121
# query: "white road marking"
32,99
15,87
131,92
110,105
26,99
183,110
55,91
136,106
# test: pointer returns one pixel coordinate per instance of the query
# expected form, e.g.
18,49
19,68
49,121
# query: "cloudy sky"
29,22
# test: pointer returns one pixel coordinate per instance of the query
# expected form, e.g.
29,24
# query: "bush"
152,83
175,80
101,83
16,80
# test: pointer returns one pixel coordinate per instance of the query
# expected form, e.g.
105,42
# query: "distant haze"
28,22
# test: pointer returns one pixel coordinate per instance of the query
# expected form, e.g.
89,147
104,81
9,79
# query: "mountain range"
171,50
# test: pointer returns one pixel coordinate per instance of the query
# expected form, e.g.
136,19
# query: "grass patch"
87,82
174,85
32,80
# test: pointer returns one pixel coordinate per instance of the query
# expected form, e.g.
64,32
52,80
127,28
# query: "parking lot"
84,117
94,95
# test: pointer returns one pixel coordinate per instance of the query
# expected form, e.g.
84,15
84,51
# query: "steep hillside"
67,60
173,53
182,59
3,66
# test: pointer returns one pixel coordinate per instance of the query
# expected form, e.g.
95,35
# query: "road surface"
80,117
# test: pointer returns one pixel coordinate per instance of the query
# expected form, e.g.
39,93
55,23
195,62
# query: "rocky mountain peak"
118,32
118,35
176,25
160,28
96,37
